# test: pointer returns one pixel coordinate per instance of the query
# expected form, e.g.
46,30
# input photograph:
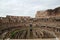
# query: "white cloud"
25,7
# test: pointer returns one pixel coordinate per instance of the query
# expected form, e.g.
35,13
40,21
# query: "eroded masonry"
46,24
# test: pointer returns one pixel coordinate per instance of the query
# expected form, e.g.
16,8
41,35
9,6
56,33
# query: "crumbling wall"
48,13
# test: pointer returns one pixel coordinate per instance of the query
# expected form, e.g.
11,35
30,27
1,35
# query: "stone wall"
45,20
48,13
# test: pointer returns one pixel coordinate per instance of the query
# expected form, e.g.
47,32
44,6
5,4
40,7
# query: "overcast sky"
25,7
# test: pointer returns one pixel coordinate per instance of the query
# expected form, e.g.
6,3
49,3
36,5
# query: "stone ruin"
48,13
46,24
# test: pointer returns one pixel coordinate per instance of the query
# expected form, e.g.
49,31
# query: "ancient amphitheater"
46,24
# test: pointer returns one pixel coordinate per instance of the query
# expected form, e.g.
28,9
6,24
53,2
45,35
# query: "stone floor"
34,39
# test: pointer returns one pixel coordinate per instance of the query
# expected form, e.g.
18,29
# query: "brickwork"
46,22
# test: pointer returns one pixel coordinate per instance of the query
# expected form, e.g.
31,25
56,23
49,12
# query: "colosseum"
46,24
